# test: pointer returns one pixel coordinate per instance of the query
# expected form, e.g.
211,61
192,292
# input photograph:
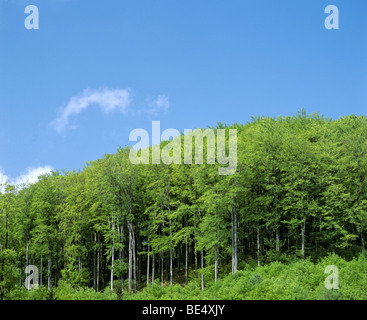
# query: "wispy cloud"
106,99
162,103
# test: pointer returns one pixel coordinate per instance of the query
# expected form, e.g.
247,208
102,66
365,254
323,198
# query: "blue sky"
95,70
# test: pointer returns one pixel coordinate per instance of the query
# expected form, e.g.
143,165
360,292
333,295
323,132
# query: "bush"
65,291
24,294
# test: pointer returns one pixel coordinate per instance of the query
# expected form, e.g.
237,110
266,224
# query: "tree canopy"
299,191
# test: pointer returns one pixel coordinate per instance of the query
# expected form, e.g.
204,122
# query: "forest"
116,230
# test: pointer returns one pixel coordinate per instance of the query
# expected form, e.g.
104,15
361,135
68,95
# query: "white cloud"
30,176
106,99
3,177
162,103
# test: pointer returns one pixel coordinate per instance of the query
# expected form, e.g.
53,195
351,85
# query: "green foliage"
74,277
300,280
24,294
299,194
65,291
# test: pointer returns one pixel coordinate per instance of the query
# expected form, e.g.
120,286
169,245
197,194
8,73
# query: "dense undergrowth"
297,280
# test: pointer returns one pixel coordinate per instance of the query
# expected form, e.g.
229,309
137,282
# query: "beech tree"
299,191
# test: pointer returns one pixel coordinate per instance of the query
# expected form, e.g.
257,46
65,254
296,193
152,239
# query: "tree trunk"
235,257
162,266
102,266
3,260
134,265
296,242
153,269
98,253
196,257
303,237
113,252
20,272
202,262
26,254
49,273
186,262
94,262
216,265
170,250
133,254
41,272
362,241
202,268
130,258
232,230
122,254
148,263
258,246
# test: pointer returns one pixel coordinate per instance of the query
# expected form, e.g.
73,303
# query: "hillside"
298,193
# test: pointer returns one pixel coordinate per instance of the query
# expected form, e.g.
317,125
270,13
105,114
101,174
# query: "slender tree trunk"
233,250
167,269
102,266
179,254
138,269
296,242
130,258
202,268
26,254
216,265
20,272
41,272
170,250
362,241
98,252
148,263
49,273
303,237
113,252
94,262
258,246
186,262
153,269
55,275
235,257
162,266
131,253
277,240
3,260
134,262
162,262
202,261
122,253
196,256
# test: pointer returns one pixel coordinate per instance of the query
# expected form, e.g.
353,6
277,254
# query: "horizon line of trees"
299,189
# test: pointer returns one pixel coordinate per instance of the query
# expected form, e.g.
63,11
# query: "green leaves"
300,190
